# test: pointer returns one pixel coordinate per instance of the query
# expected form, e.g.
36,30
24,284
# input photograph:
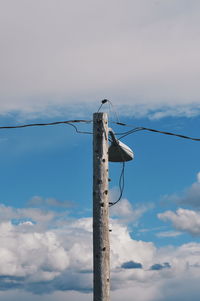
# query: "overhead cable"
122,135
136,129
121,186
122,177
44,124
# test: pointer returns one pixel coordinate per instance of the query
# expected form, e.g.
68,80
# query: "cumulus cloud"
22,214
30,256
142,53
127,212
183,219
38,201
41,261
52,257
190,196
58,259
186,220
164,280
57,295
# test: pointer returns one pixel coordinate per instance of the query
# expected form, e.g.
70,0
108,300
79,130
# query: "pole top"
100,115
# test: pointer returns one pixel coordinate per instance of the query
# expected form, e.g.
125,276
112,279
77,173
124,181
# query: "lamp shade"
119,152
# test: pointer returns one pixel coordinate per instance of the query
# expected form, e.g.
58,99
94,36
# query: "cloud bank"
55,257
140,54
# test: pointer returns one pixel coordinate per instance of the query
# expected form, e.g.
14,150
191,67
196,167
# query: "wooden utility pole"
101,246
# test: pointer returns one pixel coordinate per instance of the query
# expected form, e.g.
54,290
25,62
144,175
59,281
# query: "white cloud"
141,53
190,196
59,258
198,177
124,248
53,262
38,201
33,214
168,234
164,284
59,296
183,219
125,211
30,254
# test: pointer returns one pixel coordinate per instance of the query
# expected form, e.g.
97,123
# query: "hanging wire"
171,134
110,108
102,103
114,110
121,186
67,122
44,124
77,130
121,178
136,129
124,134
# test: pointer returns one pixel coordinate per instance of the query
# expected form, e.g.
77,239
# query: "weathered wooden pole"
101,245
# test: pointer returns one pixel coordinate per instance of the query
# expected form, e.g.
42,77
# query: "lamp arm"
114,139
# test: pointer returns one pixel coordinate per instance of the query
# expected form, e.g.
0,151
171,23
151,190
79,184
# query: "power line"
66,122
122,135
136,129
44,124
171,134
78,131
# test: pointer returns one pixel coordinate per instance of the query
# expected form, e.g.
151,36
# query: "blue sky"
56,162
143,56
49,169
